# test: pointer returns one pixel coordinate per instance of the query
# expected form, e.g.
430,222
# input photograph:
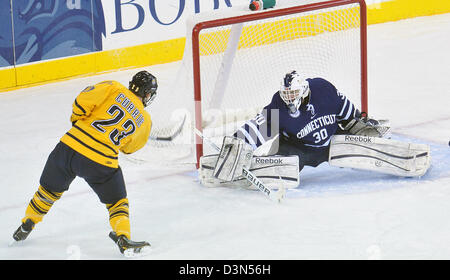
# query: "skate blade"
15,243
130,253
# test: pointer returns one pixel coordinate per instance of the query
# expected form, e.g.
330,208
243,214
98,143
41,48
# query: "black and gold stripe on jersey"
86,144
80,108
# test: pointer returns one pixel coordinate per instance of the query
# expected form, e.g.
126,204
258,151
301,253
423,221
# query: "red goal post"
267,14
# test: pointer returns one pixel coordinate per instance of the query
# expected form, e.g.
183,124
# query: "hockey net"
234,61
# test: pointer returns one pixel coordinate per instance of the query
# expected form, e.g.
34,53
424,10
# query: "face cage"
290,96
293,98
149,97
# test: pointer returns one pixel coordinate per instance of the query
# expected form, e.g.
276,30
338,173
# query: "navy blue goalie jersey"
312,125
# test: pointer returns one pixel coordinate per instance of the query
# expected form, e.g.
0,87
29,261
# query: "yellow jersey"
107,118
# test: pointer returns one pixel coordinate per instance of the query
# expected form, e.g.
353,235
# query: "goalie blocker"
380,155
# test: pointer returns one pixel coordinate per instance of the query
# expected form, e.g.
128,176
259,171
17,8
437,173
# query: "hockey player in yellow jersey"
119,122
107,118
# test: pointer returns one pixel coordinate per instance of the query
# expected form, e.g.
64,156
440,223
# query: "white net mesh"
241,66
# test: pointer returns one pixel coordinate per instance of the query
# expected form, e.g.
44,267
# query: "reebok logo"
363,139
269,160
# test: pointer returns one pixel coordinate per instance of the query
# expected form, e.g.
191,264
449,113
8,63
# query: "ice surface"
334,214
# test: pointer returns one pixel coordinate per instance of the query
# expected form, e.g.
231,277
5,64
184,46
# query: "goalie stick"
275,196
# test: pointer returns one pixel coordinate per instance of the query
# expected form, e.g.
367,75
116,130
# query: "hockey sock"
40,204
118,217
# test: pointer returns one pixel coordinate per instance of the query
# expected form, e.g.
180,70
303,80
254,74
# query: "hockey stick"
158,139
275,196
171,137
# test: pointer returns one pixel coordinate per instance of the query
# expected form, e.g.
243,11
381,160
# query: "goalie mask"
294,90
144,85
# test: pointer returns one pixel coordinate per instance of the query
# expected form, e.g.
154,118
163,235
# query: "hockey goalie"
309,122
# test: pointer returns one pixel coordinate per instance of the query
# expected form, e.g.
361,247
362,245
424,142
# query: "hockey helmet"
294,90
144,85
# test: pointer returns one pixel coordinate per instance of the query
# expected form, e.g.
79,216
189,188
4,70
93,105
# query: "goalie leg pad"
272,171
380,155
